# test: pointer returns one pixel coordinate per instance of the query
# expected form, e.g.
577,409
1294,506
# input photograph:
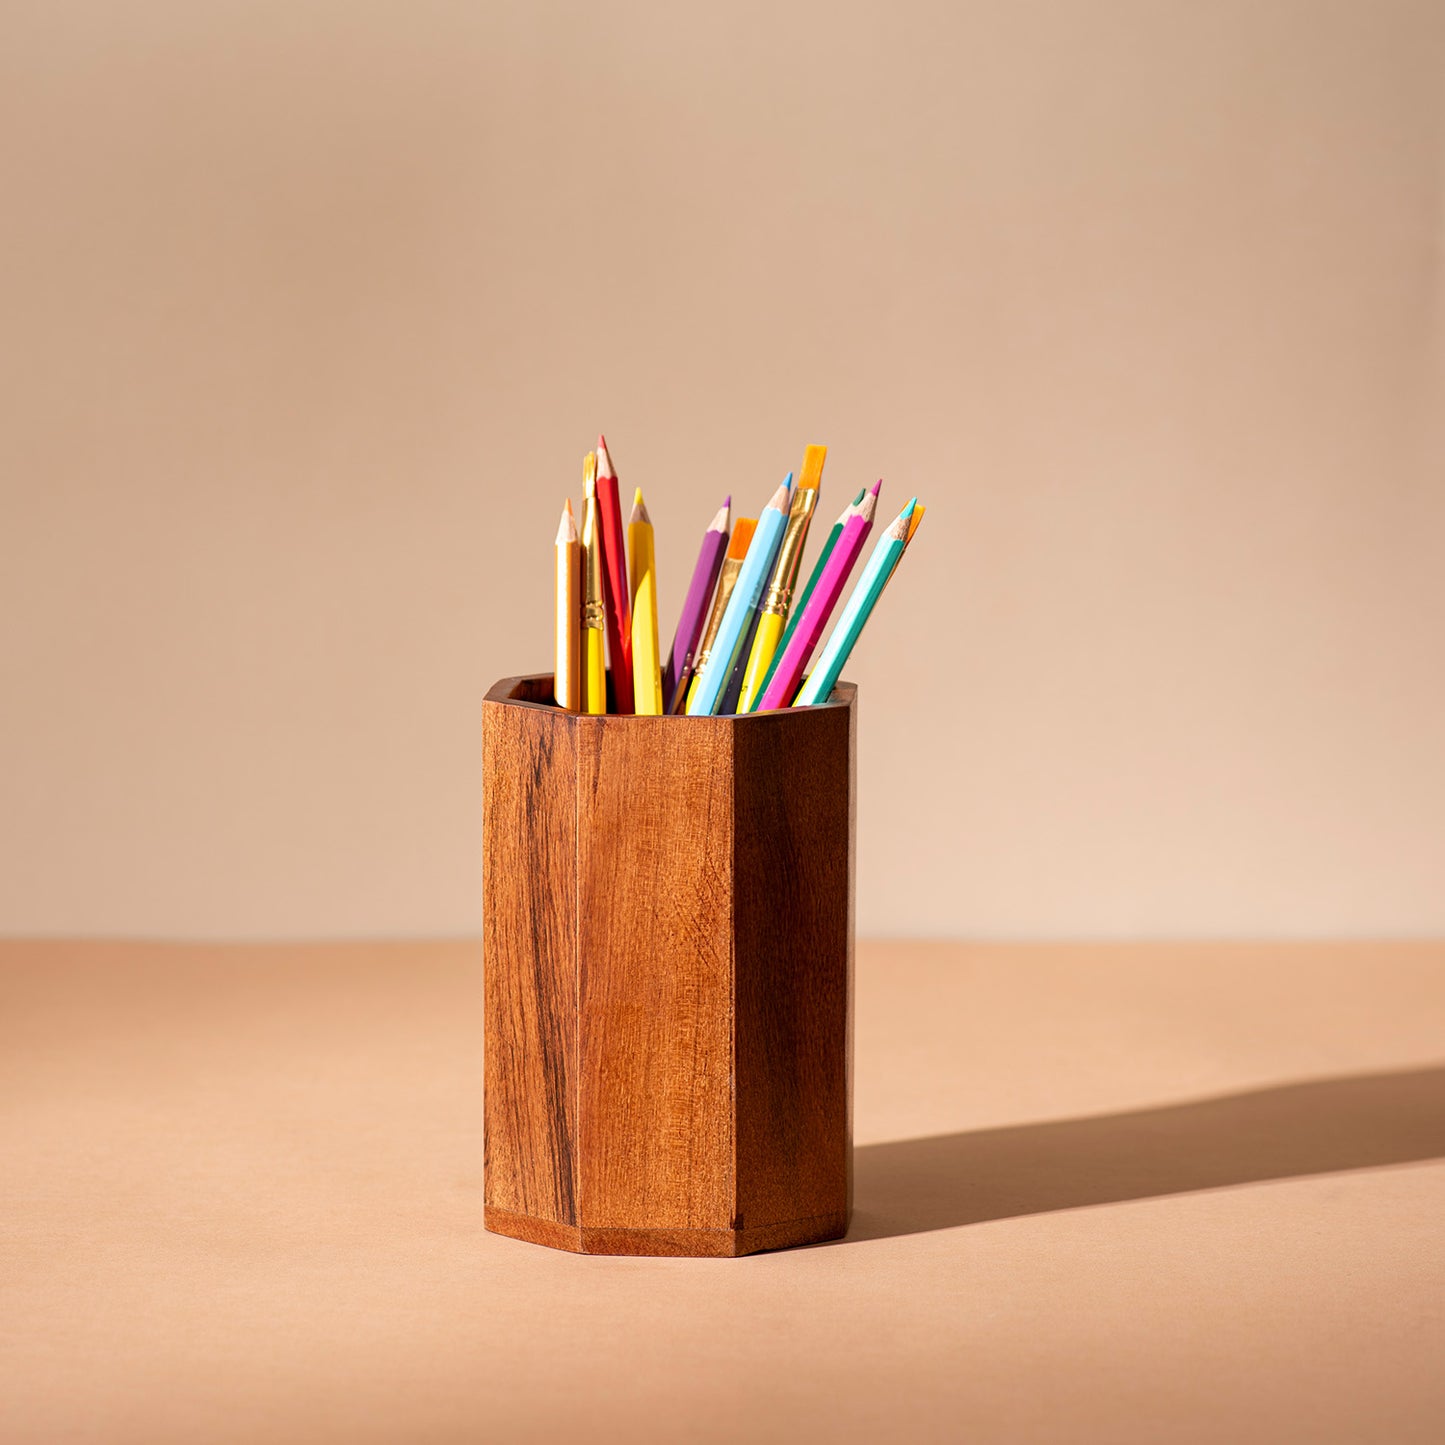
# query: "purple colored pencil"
699,594
788,675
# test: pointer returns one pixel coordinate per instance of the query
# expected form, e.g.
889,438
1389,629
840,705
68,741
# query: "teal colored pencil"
796,611
820,682
747,593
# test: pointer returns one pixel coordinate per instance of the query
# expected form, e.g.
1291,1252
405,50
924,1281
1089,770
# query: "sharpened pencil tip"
898,530
639,510
567,527
781,497
604,458
876,485
913,522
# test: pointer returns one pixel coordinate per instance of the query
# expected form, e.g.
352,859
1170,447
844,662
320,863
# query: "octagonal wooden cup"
668,924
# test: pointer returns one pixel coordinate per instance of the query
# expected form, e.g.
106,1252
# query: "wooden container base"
680,1243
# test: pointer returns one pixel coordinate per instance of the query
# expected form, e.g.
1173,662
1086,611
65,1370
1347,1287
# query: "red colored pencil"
614,579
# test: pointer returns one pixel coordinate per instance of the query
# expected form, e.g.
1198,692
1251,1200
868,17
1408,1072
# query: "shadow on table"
1318,1127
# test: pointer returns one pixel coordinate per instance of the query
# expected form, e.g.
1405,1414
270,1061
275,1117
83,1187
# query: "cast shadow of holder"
1318,1127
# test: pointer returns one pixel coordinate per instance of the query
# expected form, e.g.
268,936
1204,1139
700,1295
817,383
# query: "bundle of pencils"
742,643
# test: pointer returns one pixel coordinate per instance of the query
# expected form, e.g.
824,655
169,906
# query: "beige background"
310,310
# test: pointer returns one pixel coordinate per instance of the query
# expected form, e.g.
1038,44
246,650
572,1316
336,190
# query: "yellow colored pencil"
594,617
646,665
773,615
566,671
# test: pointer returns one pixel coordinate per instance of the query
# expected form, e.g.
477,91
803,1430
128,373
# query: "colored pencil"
747,592
694,608
829,542
732,691
614,579
814,619
594,664
646,671
728,702
819,686
566,675
777,600
727,577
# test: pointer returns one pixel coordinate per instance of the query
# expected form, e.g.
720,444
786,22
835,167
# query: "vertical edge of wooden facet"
530,966
655,1109
851,694
793,932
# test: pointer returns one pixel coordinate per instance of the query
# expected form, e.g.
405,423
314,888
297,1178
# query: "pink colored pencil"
699,594
788,675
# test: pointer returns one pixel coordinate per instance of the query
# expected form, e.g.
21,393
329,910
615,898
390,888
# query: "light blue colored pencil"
747,593
819,684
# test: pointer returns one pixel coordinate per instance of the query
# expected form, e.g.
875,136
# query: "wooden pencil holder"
668,921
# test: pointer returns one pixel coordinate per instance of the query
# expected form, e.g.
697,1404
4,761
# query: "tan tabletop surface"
1113,1193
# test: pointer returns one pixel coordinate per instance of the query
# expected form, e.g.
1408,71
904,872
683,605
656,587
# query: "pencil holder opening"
668,929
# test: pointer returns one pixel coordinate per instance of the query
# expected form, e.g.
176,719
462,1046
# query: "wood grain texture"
654,900
669,986
529,930
533,1228
792,923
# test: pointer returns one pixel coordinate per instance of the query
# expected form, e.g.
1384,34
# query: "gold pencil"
566,674
773,615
